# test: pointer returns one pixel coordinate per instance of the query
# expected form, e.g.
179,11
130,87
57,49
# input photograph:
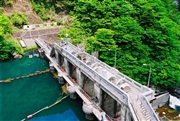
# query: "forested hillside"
128,32
140,31
13,15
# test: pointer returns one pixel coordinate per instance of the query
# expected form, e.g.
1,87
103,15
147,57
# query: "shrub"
1,10
19,19
9,3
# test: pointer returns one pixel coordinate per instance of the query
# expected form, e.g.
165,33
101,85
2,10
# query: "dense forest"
127,34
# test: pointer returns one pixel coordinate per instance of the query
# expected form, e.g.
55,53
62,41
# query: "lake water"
22,97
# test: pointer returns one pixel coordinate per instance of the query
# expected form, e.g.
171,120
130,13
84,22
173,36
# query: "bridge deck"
119,86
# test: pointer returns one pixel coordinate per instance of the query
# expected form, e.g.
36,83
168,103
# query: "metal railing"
148,109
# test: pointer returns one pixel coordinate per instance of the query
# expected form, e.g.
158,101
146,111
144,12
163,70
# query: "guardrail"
148,108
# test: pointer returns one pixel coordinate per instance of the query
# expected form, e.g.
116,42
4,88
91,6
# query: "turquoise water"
22,97
69,114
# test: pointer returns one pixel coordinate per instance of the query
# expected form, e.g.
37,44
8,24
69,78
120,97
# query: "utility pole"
149,76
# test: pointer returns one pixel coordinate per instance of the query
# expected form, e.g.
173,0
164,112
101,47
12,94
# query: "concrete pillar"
66,66
61,79
97,94
128,116
87,109
41,52
73,96
89,116
117,110
52,69
79,76
123,112
57,57
72,92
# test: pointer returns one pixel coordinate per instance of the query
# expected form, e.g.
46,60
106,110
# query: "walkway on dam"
119,86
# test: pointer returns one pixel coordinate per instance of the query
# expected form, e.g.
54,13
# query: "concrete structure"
26,38
36,33
36,26
106,93
160,100
29,27
22,43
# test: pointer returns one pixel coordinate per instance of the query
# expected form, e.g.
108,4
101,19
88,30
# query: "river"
25,96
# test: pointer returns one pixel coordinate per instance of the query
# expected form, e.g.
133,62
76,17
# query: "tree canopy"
142,32
6,47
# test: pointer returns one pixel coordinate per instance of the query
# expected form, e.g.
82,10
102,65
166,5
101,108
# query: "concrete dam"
107,94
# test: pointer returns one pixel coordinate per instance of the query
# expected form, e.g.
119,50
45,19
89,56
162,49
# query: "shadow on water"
78,111
22,97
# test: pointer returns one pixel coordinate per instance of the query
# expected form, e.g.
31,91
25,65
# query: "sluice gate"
106,92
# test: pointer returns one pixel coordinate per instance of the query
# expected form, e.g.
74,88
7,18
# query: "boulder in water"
17,56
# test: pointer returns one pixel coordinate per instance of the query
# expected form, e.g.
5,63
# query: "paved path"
29,42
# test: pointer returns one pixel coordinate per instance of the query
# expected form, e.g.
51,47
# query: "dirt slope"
23,6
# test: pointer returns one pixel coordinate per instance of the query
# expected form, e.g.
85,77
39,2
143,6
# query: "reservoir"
24,96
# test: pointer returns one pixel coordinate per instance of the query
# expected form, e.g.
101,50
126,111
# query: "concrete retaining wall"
160,100
36,33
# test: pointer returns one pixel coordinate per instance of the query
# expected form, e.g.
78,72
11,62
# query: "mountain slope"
23,6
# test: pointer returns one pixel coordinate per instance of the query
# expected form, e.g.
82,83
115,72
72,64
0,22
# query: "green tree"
7,46
106,45
19,19
105,39
5,26
144,31
161,35
74,31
